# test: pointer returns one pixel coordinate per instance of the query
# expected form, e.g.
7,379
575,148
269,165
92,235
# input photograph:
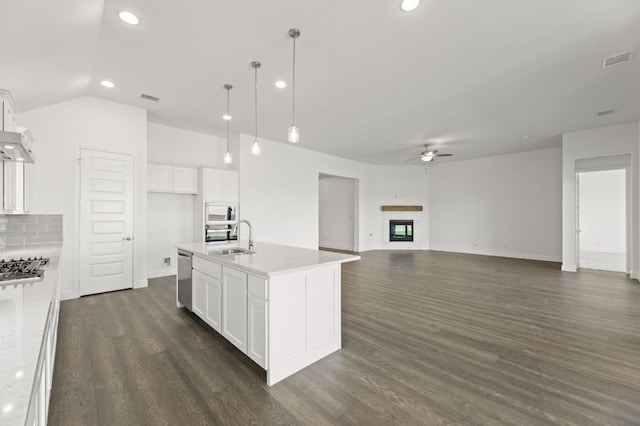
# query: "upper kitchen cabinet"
220,185
8,119
9,186
179,180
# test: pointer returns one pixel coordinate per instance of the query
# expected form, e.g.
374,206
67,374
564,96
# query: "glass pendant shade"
228,158
294,134
255,148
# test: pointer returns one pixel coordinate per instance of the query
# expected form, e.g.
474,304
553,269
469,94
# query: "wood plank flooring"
429,338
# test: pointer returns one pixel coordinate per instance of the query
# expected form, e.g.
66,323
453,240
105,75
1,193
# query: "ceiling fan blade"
411,159
445,155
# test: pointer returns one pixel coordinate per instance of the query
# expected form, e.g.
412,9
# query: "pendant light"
255,146
294,131
228,159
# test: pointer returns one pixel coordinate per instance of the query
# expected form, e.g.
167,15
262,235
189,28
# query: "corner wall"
507,205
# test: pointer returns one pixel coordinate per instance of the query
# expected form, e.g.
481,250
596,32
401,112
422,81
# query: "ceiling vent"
149,97
605,112
616,59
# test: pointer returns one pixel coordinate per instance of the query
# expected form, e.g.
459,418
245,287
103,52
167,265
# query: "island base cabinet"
199,289
234,307
213,315
303,319
257,330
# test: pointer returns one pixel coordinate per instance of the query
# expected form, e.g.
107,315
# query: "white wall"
602,142
58,130
337,212
170,216
279,192
508,205
602,201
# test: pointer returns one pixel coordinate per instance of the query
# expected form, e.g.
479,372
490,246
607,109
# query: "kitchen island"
279,305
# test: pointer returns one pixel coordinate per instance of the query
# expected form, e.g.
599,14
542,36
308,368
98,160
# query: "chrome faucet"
235,230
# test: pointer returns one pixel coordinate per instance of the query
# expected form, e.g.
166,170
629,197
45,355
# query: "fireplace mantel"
401,208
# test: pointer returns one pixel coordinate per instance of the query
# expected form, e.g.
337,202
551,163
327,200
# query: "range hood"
16,146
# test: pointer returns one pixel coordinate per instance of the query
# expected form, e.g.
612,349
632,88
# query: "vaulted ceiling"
373,83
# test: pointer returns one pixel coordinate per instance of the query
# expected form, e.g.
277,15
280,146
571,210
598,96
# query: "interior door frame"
616,162
76,213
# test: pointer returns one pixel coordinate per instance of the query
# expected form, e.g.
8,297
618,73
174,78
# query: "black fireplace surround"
400,230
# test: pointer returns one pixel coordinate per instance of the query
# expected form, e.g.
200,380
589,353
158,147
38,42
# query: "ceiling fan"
428,155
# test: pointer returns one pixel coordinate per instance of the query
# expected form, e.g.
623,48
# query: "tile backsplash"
28,229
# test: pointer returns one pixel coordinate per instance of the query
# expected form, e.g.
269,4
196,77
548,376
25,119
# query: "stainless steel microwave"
218,213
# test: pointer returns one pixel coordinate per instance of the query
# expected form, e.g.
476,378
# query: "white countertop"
23,314
268,259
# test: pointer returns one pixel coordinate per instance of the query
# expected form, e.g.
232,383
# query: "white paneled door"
106,221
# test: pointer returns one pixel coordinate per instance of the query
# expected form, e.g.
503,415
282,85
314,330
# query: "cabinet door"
213,313
185,180
8,117
257,330
212,185
159,178
9,184
28,186
230,183
234,307
199,294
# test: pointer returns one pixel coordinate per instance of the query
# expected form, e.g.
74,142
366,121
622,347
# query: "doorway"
106,221
338,213
603,220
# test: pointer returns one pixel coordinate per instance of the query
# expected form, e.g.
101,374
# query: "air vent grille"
605,112
616,59
149,97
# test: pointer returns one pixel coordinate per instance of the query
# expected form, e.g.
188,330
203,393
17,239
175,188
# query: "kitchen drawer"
212,269
258,287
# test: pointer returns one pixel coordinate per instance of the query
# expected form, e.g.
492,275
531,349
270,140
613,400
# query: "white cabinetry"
234,307
163,178
220,185
28,186
9,110
199,292
207,292
9,186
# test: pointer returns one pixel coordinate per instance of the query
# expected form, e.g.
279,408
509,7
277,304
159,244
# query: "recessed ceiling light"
280,84
128,17
19,374
409,5
226,117
107,83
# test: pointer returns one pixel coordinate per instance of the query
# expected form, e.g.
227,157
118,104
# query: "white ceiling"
373,83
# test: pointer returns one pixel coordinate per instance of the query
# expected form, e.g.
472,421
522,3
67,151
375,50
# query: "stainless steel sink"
232,251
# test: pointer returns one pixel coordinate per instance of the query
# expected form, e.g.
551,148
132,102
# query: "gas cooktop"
22,270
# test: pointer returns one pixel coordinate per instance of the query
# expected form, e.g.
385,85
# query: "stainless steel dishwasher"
184,278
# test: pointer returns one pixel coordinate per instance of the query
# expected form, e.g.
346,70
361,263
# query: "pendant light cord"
294,82
256,95
228,91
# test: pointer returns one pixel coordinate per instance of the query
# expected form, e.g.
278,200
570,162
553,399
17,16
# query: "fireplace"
400,230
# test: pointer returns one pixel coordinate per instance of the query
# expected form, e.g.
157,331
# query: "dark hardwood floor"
429,338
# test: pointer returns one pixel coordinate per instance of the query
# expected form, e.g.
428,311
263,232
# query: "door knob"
127,238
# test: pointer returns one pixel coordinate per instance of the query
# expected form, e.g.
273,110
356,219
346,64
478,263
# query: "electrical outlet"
166,262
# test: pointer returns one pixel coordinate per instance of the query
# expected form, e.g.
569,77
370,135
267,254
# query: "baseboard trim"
141,283
161,273
634,275
569,267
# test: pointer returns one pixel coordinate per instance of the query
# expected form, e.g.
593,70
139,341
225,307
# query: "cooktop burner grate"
12,271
